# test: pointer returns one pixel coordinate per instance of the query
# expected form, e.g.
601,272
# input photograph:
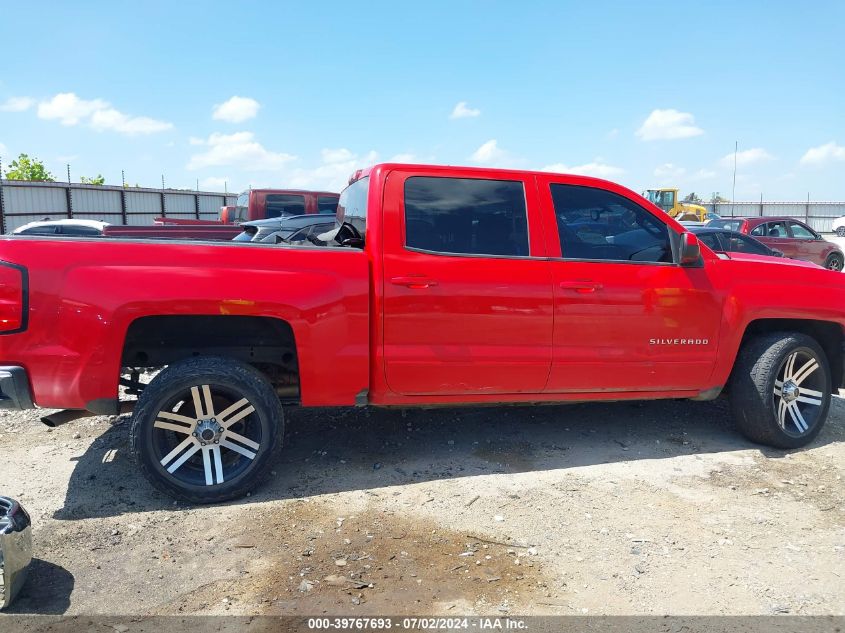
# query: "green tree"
718,198
26,168
692,198
96,180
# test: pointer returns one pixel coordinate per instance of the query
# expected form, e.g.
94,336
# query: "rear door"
467,290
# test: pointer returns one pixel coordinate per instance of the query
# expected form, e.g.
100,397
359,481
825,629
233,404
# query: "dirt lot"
600,509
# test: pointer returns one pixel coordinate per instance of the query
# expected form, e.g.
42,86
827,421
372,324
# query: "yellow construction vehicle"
667,199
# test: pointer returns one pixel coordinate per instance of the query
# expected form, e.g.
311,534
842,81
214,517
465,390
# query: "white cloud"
193,140
597,168
669,171
240,149
405,158
489,153
339,155
212,184
111,119
334,172
668,125
17,104
463,111
747,157
703,174
823,154
236,110
69,109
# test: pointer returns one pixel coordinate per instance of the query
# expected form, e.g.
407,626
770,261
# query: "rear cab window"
281,205
326,204
466,216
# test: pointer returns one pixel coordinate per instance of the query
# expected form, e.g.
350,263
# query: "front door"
775,235
467,305
627,318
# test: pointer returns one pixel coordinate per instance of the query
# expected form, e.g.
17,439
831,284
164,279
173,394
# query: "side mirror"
15,549
689,251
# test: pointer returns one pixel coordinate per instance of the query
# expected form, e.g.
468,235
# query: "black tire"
755,397
841,231
189,393
834,262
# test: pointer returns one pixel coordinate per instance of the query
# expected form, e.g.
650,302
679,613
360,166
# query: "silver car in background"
290,229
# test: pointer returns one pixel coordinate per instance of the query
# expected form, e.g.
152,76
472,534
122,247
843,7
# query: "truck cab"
261,204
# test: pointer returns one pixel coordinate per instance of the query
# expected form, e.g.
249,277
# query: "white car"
77,227
839,226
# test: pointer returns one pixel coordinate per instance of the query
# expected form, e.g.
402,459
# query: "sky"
286,94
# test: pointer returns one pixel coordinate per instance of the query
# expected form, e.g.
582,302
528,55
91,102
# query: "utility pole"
68,173
733,192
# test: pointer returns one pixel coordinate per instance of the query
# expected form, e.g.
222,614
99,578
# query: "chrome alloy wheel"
206,434
798,394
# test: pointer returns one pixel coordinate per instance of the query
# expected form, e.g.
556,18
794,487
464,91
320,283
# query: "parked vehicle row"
791,237
437,286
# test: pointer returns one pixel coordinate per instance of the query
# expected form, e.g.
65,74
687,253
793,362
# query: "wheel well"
264,342
829,335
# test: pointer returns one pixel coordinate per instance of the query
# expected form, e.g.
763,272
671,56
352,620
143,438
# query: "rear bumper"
14,388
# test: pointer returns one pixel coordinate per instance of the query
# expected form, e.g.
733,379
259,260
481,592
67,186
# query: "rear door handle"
415,282
582,286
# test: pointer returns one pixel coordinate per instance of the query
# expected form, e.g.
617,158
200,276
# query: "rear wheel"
780,390
841,231
834,262
207,429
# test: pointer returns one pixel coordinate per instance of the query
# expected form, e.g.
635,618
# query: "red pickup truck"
439,286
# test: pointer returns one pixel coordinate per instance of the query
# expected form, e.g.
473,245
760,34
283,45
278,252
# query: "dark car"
727,241
286,229
793,238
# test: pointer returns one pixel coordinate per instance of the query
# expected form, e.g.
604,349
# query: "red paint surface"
412,327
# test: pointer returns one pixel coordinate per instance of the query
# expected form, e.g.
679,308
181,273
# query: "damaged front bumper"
15,549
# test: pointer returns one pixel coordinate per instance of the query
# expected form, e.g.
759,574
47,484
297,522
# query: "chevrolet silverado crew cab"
437,286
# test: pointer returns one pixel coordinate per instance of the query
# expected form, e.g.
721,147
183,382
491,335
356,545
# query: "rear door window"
39,230
281,205
79,230
466,216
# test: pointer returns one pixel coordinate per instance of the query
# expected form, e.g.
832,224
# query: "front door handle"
582,286
412,281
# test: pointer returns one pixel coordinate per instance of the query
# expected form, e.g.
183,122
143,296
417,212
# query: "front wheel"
840,231
780,389
207,429
834,262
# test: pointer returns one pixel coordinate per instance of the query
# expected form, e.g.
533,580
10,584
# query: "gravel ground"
628,508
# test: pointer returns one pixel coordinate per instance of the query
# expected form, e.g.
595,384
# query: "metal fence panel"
141,219
47,201
211,204
94,201
15,221
111,218
179,203
143,202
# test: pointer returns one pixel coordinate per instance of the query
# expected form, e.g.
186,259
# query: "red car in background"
789,236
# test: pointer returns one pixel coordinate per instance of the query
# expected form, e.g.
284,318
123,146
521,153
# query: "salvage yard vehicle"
669,201
788,235
838,226
727,241
15,549
260,204
439,286
286,229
